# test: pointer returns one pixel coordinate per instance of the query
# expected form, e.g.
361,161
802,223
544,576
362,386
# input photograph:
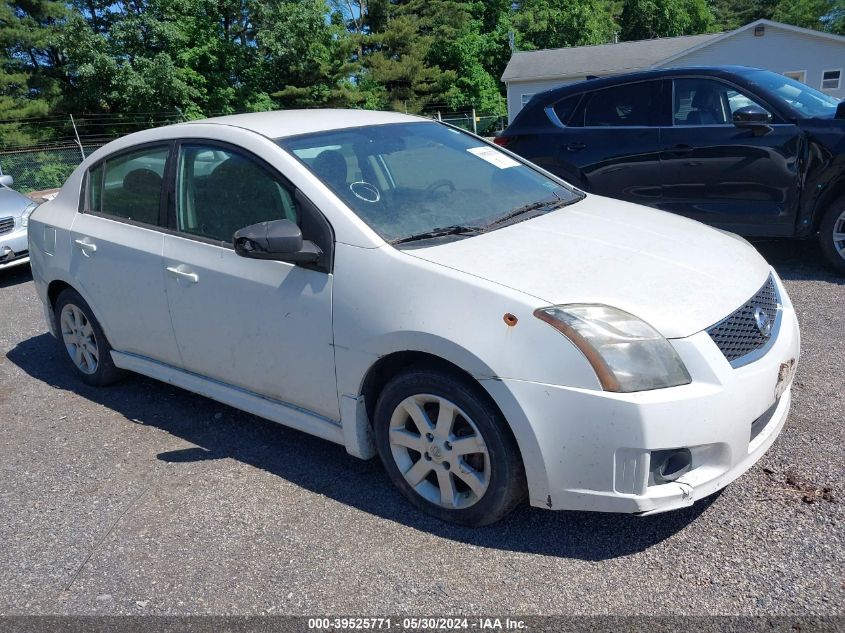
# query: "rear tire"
832,235
86,347
447,447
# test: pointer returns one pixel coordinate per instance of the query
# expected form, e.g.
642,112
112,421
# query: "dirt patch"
794,482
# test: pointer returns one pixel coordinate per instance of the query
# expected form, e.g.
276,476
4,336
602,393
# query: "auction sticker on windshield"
494,157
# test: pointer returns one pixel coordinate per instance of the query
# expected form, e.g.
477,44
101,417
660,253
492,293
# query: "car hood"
12,203
676,274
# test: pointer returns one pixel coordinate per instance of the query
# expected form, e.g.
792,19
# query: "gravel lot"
143,498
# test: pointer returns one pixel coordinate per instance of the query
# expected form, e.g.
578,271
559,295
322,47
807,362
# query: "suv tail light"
502,140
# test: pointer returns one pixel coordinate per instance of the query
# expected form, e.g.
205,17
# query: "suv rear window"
565,107
629,104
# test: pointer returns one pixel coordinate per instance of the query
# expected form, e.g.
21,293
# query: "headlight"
26,213
626,353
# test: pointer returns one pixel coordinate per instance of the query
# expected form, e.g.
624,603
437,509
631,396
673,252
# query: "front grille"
737,335
6,225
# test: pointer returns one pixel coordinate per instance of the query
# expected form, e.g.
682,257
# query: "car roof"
283,123
613,80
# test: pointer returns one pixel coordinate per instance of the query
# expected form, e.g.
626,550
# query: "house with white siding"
813,57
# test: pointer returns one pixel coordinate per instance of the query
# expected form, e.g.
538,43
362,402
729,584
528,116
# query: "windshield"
808,101
407,179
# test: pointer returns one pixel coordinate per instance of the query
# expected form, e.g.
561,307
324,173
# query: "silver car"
15,209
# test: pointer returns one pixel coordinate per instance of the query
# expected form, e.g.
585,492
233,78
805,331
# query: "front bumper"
595,448
13,248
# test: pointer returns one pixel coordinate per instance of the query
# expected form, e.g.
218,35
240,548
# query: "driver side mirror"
280,240
840,110
6,181
753,117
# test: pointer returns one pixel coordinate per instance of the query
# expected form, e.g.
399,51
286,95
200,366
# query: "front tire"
832,235
447,448
83,340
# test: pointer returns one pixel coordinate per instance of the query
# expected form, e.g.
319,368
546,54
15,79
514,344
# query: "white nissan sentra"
406,289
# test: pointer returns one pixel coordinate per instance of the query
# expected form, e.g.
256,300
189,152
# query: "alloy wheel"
440,451
839,234
79,339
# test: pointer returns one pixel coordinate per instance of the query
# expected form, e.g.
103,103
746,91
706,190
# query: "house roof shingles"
602,58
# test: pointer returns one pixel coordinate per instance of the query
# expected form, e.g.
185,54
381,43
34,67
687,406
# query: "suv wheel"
82,337
447,448
832,235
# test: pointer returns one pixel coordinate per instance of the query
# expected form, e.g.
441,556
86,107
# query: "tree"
474,86
560,23
300,54
732,14
646,19
415,53
30,64
835,21
184,57
822,15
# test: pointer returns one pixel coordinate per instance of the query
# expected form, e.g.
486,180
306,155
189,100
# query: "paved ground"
143,498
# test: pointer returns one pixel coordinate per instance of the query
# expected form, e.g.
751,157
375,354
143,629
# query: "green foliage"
30,64
40,169
174,59
822,15
645,19
731,14
812,14
835,21
559,23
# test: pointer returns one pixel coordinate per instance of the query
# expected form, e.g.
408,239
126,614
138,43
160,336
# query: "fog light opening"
668,466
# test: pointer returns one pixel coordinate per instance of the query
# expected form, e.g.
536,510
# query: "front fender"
357,427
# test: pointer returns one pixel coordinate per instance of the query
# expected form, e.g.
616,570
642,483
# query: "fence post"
474,126
76,133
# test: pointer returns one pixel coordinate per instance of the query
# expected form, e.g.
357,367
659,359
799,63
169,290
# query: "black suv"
742,149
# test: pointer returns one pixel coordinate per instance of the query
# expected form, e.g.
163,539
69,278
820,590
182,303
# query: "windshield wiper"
547,204
454,229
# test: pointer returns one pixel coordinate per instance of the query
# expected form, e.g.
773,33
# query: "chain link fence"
485,124
44,167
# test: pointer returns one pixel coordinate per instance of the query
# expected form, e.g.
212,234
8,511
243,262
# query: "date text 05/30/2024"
416,624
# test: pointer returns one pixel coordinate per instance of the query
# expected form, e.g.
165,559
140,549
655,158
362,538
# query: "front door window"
220,191
699,101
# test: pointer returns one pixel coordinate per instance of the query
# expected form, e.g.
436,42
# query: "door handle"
87,248
181,274
575,147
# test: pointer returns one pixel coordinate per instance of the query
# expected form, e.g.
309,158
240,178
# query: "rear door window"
129,186
625,105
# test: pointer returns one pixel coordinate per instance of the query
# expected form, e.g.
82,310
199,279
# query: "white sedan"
406,289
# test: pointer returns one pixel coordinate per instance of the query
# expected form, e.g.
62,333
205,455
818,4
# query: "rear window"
565,107
629,104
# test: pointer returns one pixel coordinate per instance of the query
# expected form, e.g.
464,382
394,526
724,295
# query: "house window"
797,75
830,79
526,99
